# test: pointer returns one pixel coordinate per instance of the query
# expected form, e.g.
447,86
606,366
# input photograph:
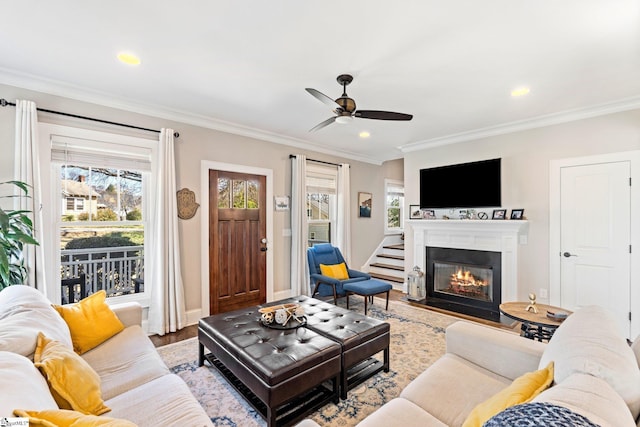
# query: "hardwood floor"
183,334
192,330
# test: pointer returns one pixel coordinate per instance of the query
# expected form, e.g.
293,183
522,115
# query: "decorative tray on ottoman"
285,316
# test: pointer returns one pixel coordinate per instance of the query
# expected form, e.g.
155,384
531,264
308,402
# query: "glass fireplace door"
469,281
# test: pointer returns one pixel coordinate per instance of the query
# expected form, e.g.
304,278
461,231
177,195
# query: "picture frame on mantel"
364,205
499,214
415,212
517,214
428,214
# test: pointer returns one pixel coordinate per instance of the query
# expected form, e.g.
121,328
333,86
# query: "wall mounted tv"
464,185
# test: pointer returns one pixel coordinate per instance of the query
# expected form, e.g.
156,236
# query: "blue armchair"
324,253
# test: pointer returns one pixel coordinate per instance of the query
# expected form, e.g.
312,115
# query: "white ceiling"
242,66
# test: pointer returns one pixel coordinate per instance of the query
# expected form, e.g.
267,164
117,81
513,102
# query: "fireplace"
463,280
498,237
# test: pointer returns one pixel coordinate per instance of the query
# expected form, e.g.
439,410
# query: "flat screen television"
464,185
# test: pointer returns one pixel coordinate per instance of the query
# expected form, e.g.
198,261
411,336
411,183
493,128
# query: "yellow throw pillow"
66,418
522,390
91,321
336,271
72,382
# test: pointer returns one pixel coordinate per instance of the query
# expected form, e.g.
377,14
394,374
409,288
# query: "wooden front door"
237,240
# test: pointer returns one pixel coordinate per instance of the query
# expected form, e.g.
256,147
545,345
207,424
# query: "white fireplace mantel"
502,236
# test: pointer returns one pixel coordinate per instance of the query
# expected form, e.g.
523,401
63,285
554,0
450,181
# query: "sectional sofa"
135,384
594,379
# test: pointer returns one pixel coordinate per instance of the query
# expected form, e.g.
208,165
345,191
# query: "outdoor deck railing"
118,270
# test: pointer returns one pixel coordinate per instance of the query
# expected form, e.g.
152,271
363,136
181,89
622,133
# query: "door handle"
568,254
263,249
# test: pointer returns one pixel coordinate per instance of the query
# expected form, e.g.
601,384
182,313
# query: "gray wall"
198,143
526,157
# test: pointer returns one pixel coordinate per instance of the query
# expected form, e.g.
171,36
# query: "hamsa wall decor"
187,205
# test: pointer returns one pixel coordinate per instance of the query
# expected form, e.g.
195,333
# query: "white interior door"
595,238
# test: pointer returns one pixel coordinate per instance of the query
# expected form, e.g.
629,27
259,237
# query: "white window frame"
389,184
322,171
52,209
332,221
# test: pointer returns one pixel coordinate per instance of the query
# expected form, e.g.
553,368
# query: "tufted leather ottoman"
280,372
360,337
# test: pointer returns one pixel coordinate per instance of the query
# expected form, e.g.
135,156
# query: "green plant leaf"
16,230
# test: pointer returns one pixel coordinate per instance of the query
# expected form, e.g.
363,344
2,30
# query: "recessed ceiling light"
364,134
128,58
520,91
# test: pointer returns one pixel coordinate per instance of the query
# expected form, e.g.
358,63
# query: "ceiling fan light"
343,120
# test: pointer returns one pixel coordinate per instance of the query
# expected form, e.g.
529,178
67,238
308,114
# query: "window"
321,203
104,243
394,202
74,204
99,192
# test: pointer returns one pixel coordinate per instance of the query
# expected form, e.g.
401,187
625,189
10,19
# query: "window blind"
84,152
321,179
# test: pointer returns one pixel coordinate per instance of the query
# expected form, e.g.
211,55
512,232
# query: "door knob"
568,254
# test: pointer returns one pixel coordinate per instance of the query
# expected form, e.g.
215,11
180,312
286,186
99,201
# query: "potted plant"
16,230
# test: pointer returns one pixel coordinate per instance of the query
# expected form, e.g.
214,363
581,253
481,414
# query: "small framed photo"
499,214
364,205
281,203
517,213
428,214
415,212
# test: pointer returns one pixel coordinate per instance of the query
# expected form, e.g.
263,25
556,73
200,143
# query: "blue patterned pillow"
538,414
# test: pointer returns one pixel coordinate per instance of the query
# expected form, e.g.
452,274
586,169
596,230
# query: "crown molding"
522,125
65,90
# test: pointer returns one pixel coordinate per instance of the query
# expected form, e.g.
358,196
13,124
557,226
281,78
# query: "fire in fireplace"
465,281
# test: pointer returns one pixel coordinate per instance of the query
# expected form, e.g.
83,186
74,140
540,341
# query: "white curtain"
167,307
26,169
299,227
343,226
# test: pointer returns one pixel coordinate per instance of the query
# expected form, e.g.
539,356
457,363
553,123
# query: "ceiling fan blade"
323,124
324,98
382,115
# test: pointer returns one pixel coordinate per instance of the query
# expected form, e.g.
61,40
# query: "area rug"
417,340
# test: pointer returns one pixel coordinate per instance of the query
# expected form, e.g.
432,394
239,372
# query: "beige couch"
596,374
135,382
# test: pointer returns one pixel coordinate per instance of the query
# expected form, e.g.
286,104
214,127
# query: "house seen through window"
101,231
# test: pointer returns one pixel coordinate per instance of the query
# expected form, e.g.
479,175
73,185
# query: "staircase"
387,264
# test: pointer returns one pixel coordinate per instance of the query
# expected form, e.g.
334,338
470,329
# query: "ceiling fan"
345,107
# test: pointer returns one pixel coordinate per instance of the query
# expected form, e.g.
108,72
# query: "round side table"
535,326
